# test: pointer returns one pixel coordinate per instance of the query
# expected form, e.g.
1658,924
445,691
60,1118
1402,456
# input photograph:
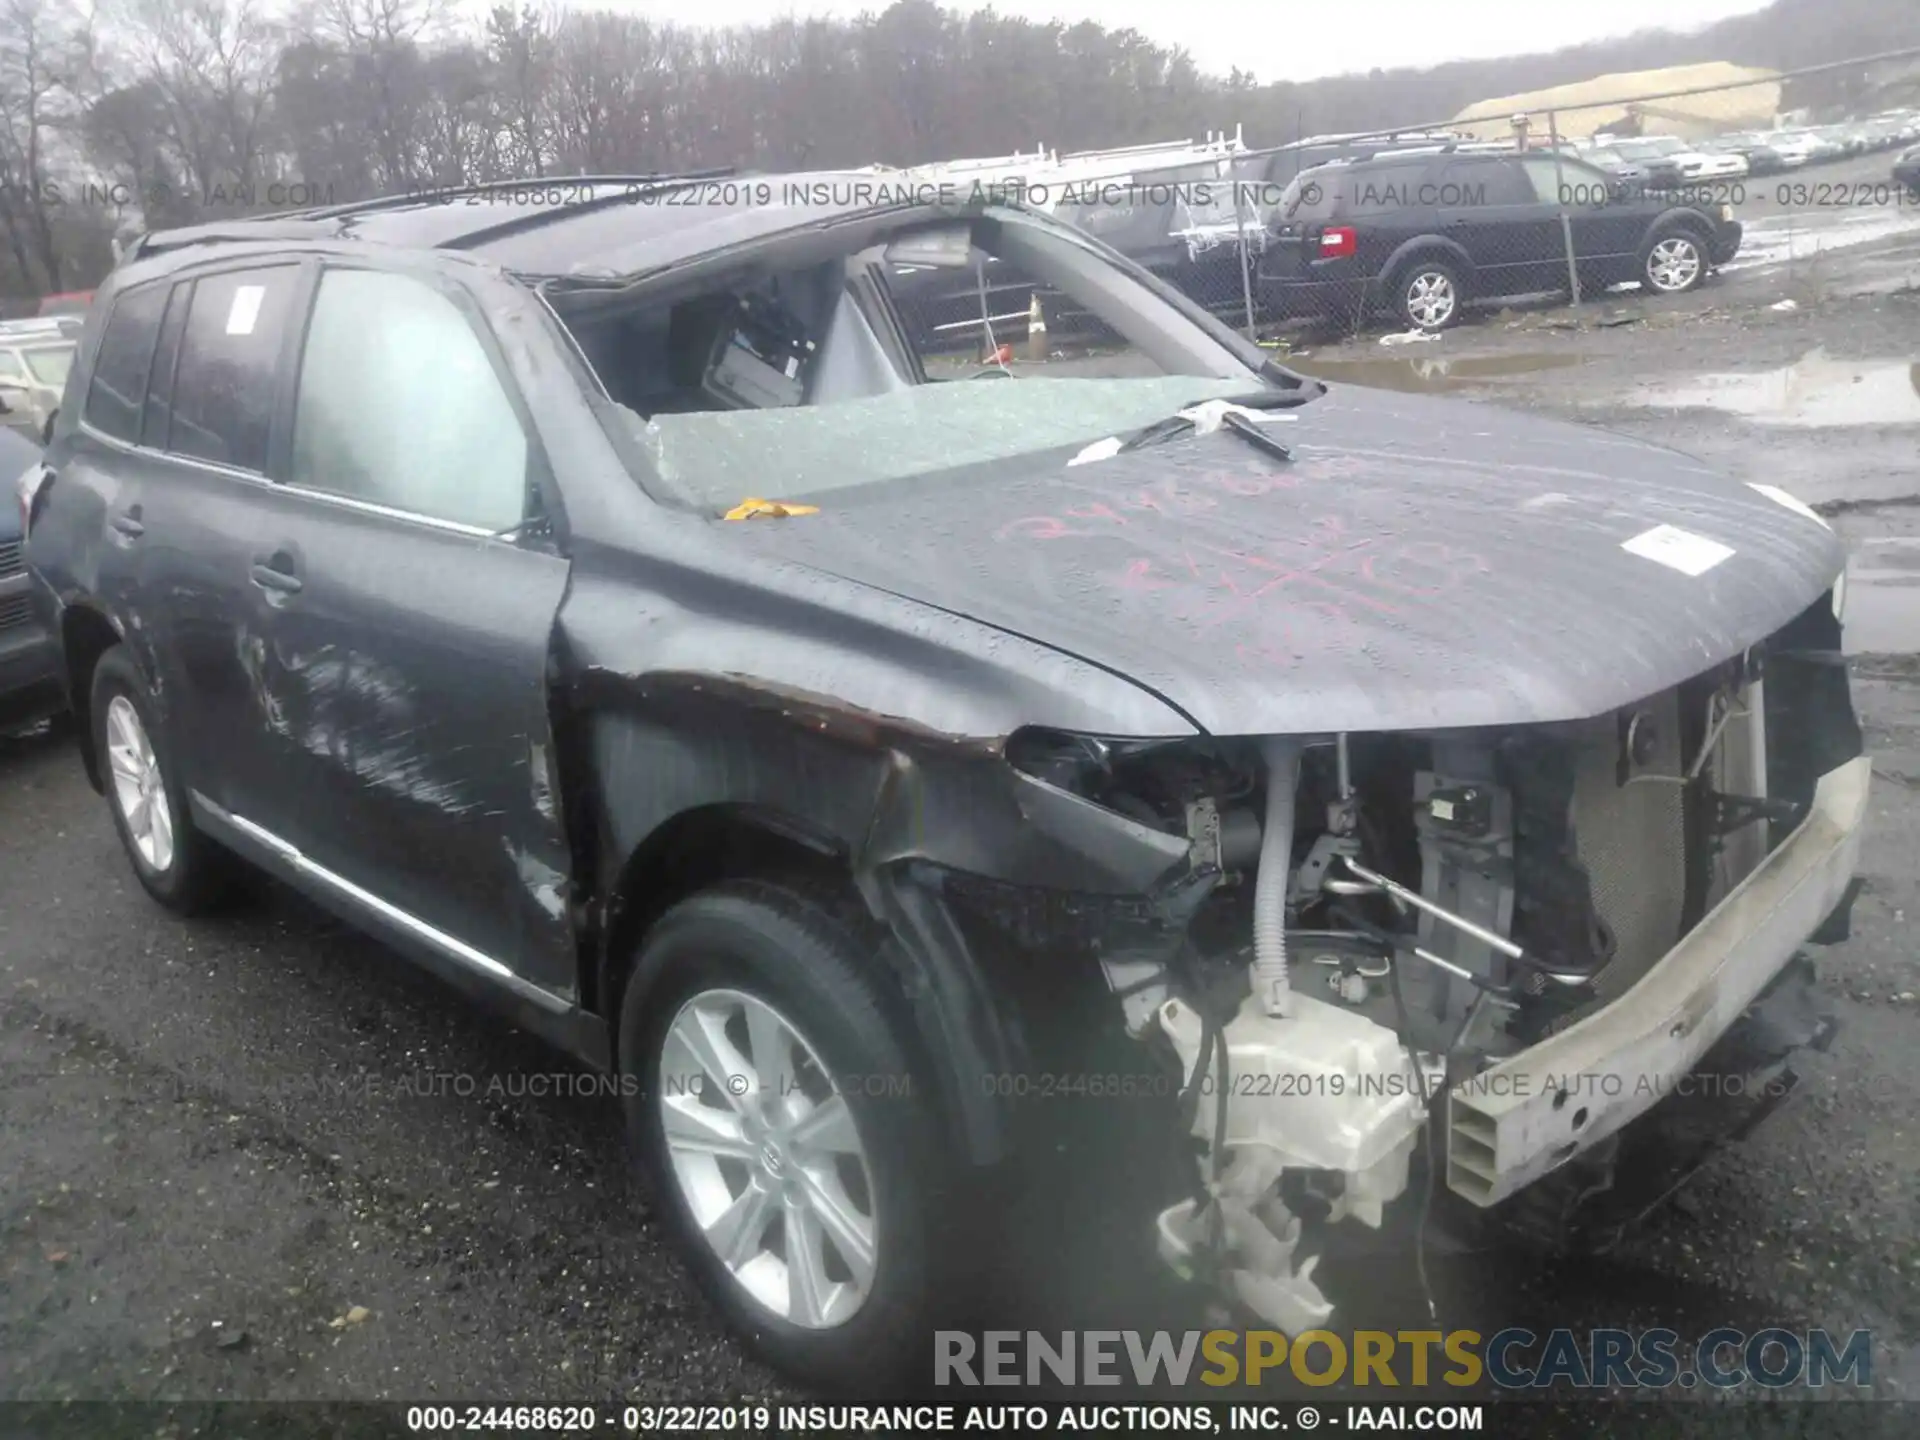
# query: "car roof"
26,329
1400,157
578,226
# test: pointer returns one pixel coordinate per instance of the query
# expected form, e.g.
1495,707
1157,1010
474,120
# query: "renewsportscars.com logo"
1512,1359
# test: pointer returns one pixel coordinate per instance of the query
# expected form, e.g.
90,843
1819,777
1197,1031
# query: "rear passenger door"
105,478
407,585
206,435
1513,237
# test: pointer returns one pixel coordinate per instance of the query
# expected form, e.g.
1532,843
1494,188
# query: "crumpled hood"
1419,564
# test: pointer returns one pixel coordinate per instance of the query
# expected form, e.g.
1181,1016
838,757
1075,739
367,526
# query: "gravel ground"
260,1157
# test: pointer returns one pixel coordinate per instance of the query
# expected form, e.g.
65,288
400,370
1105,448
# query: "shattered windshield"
958,345
713,458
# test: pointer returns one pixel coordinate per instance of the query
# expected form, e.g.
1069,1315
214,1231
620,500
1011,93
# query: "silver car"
33,373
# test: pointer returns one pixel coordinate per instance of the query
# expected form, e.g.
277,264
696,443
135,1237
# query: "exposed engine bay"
1378,920
1371,956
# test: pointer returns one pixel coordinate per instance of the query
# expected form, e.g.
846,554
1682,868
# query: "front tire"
1674,262
1428,295
786,1136
177,865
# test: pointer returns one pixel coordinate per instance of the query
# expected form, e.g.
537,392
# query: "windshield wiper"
1248,430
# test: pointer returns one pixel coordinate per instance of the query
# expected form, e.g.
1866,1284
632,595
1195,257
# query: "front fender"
901,811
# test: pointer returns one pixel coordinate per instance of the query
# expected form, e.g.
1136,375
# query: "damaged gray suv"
616,603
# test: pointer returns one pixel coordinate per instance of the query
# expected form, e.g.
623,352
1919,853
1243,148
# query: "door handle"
127,523
275,574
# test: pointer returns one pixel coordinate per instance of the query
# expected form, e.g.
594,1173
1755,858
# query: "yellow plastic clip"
747,509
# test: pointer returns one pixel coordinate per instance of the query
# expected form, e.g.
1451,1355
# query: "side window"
119,381
1580,183
973,322
1313,195
399,405
1384,189
1472,183
223,379
155,425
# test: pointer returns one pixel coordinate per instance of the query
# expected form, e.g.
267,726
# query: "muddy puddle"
1883,596
1816,392
1428,374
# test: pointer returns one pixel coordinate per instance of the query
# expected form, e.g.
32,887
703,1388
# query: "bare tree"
43,55
520,46
206,71
381,43
192,98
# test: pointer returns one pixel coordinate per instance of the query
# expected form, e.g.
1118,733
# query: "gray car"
599,601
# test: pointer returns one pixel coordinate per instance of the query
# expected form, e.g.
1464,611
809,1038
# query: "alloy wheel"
1431,299
768,1158
1674,263
138,789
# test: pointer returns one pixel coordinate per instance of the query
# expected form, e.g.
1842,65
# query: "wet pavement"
1816,392
259,1156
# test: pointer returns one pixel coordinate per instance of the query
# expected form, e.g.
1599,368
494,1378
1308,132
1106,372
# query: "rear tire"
177,865
746,999
1428,295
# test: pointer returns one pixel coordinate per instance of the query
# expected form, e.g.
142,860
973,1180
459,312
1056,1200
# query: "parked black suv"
593,595
1422,236
1906,171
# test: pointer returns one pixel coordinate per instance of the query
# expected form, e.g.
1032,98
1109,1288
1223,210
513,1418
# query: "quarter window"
400,405
119,381
224,378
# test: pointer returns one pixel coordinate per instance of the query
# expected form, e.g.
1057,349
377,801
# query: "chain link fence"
1571,196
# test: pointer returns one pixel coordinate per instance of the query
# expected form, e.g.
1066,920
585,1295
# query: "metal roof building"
1750,98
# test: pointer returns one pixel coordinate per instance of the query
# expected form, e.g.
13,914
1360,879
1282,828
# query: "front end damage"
1492,949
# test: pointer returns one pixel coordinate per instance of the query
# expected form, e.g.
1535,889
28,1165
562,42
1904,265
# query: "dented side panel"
878,725
682,712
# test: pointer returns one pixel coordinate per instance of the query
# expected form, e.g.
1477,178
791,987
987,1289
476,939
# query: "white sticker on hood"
1792,502
1677,549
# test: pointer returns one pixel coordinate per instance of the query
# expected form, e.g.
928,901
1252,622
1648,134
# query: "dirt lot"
263,1158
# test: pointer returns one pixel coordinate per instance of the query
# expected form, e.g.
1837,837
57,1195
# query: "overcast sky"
1287,39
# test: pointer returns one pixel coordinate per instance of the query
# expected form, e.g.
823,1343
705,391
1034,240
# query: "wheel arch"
694,850
1428,247
1681,217
86,634
679,809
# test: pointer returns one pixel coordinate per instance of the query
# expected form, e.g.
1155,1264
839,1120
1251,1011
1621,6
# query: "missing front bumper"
1524,1117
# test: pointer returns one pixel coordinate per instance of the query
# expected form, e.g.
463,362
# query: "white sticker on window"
1677,549
246,309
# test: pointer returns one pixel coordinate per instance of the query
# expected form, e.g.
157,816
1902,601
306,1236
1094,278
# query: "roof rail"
532,217
431,194
267,227
330,220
